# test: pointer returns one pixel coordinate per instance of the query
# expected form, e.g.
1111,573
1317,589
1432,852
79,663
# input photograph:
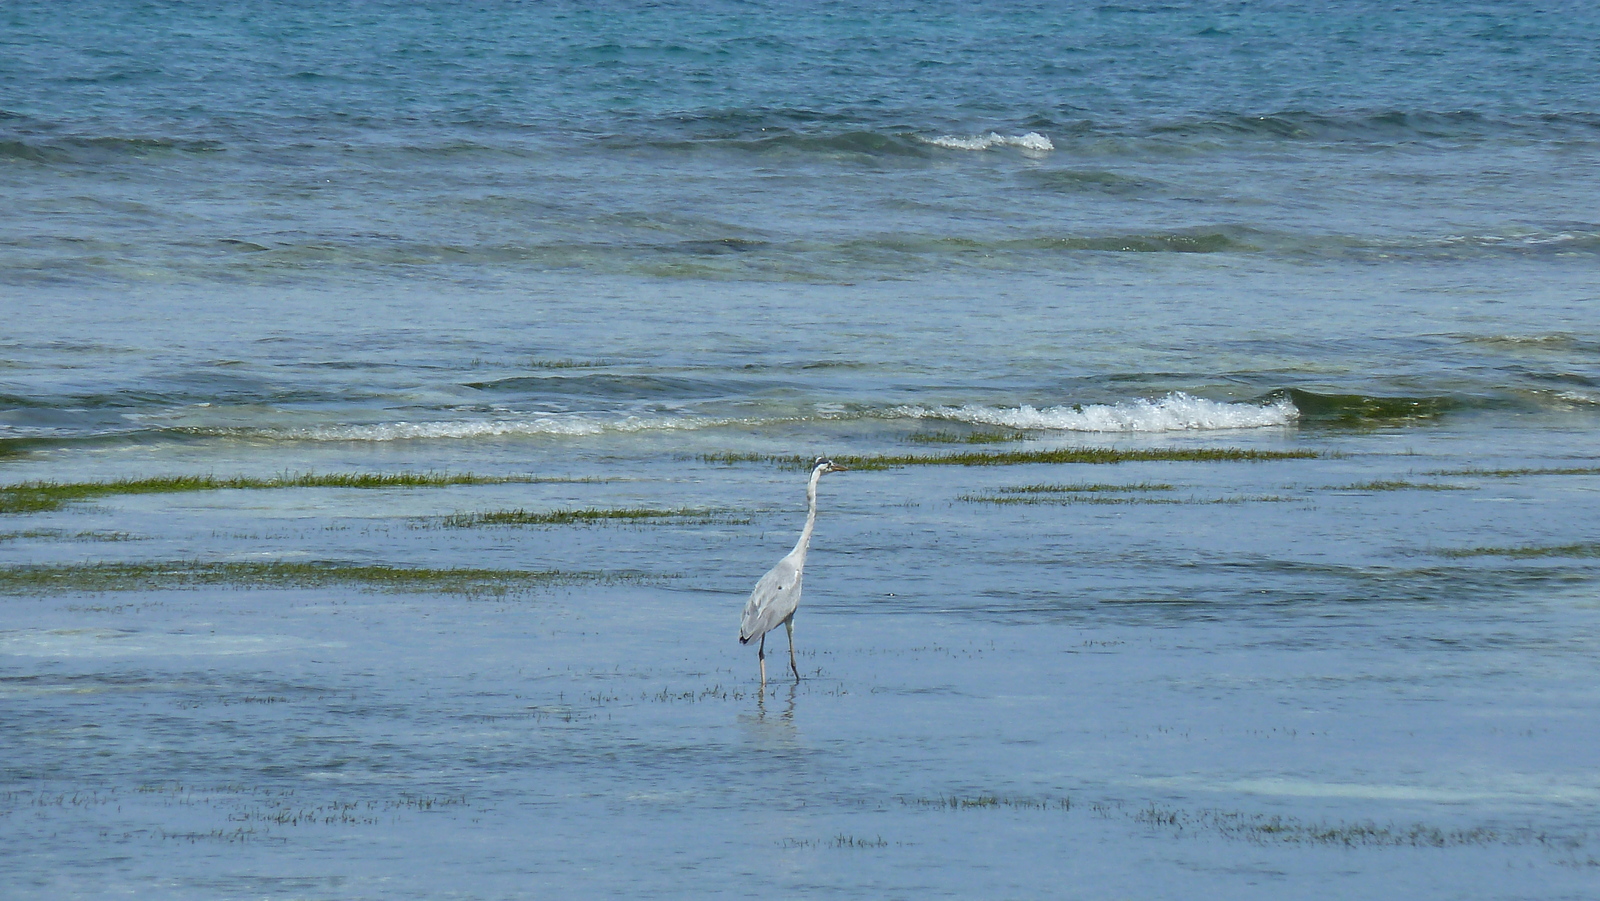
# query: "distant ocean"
1300,168
650,254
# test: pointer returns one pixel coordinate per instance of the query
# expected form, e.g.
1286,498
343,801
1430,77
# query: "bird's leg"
789,624
761,654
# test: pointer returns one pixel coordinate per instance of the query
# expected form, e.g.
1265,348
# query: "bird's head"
824,465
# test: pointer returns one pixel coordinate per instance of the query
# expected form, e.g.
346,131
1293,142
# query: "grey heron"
778,593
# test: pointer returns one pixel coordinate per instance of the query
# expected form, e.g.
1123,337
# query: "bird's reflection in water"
774,725
788,708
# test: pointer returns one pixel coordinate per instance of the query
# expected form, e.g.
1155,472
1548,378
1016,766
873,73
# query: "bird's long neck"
811,514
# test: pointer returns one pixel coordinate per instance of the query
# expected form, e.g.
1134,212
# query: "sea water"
626,256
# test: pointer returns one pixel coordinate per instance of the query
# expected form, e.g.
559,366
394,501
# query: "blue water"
290,141
608,245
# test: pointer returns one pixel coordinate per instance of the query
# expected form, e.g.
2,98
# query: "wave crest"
1177,412
570,426
1032,142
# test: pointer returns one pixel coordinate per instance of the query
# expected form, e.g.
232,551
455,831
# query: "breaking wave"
1032,142
1177,412
572,425
1580,398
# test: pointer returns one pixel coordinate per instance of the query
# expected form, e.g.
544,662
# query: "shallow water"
1266,697
623,257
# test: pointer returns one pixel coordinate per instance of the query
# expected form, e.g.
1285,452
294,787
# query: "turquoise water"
263,143
623,253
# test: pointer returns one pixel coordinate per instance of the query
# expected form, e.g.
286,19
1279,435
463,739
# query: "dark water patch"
38,497
1581,550
986,802
990,251
1357,410
64,535
101,150
351,365
1089,181
1091,455
1197,240
1393,126
870,135
1258,828
1173,601
1065,499
105,435
118,400
188,574
715,246
1550,343
210,384
18,402
1398,485
605,385
1045,500
1556,378
1278,829
589,516
841,840
856,145
446,150
1315,584
733,122
1514,473
265,811
804,255
804,259
832,364
565,364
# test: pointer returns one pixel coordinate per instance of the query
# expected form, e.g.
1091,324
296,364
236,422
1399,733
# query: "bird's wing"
773,600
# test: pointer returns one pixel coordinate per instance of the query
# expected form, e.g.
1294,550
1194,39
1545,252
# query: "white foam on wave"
1177,412
1032,142
557,426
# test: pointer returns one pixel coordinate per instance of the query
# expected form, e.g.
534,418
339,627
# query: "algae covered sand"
586,516
1057,456
1526,552
1197,685
179,574
1162,665
43,496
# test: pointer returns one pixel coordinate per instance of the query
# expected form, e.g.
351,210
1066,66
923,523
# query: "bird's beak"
834,467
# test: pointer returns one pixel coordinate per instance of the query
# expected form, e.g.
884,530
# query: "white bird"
778,593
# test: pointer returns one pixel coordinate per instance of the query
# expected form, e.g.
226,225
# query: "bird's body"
777,595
